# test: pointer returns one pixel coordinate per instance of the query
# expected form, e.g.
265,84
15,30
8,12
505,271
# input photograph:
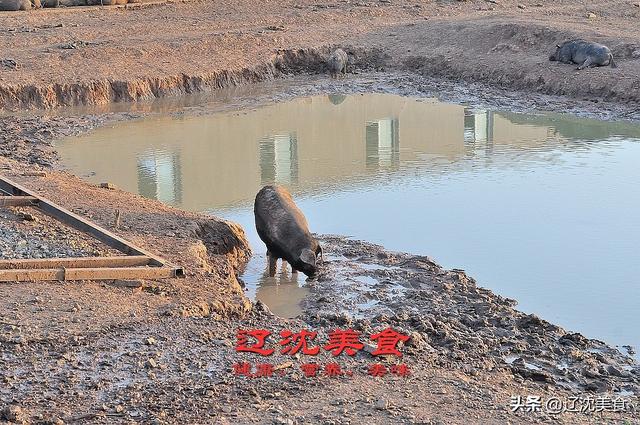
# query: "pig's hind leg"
587,63
273,261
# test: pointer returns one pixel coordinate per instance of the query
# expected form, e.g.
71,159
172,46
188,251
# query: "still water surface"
544,209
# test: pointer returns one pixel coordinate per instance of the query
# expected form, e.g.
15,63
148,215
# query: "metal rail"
137,264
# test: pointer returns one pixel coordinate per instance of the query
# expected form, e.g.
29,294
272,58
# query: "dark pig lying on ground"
583,53
284,230
337,63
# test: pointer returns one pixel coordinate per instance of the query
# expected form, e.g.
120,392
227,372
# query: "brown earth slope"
99,55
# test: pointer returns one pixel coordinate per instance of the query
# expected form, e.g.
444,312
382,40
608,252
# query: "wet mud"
455,322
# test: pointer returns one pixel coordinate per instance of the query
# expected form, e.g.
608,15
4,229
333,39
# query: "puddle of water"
539,208
367,280
512,358
282,293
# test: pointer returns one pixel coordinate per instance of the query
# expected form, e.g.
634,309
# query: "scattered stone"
132,284
522,6
505,47
614,371
276,28
151,363
9,63
35,174
108,185
382,404
284,365
27,216
226,409
77,44
635,54
592,15
13,414
150,341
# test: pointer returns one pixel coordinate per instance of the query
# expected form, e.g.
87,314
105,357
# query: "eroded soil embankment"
512,55
107,91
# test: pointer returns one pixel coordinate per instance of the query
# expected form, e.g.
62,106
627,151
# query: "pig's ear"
307,256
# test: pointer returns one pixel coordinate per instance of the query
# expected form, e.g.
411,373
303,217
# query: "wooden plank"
109,273
31,275
82,224
75,262
98,273
17,201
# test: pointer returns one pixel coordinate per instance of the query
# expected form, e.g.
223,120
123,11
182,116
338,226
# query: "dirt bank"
180,48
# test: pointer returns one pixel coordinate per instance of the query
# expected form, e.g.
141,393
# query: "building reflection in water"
281,292
279,159
160,177
323,144
478,126
382,143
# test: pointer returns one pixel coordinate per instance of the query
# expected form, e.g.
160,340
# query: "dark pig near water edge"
337,63
583,53
284,230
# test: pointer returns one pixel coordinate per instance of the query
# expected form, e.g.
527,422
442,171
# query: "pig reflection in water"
281,293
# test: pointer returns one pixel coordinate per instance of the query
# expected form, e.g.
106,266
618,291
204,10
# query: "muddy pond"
542,208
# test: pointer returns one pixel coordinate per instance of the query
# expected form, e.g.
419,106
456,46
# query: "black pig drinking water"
284,230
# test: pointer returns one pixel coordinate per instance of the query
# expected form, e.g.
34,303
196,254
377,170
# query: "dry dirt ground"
89,352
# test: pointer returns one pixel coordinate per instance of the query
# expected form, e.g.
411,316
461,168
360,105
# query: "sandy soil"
163,353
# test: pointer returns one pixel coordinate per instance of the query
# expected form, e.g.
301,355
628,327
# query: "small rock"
226,409
27,217
635,54
151,341
522,6
35,174
614,371
9,63
590,373
119,408
13,414
108,185
592,15
382,404
151,363
284,365
122,283
283,421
